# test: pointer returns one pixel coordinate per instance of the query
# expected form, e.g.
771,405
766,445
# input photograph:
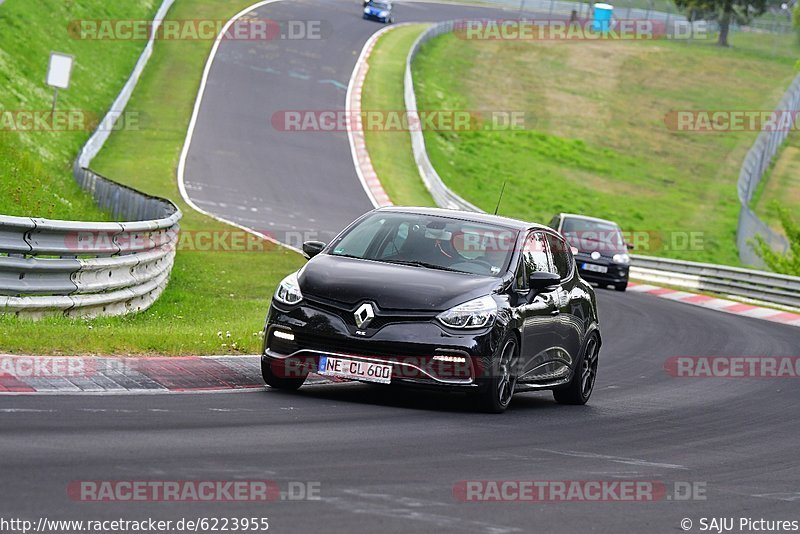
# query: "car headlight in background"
475,313
288,291
621,258
383,14
366,10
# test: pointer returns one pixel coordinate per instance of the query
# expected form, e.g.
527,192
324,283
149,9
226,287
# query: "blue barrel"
602,17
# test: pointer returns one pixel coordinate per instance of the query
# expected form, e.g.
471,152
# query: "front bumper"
617,273
370,16
410,345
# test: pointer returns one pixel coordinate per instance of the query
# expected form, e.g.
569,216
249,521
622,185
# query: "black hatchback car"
602,254
438,298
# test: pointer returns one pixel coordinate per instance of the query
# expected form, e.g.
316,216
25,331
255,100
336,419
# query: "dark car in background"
602,254
438,298
378,10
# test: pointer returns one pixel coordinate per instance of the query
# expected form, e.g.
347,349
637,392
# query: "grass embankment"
781,185
599,144
383,91
35,166
210,294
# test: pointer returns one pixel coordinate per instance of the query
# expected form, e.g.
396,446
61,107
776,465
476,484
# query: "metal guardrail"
759,285
104,129
755,164
87,269
748,283
441,194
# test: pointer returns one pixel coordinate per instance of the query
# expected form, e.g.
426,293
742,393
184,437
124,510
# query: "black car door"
539,316
570,298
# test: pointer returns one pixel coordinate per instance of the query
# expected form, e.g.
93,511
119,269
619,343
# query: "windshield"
429,242
379,5
589,236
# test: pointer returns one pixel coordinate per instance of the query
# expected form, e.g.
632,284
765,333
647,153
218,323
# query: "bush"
796,20
788,263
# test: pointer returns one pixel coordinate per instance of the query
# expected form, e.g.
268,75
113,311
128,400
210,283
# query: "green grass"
35,166
209,292
781,184
387,63
598,143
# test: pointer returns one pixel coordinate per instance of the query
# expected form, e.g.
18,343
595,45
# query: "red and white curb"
358,146
719,304
101,375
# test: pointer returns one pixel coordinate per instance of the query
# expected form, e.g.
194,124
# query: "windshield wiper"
417,263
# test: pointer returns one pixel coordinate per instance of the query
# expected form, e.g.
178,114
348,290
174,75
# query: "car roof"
586,218
508,222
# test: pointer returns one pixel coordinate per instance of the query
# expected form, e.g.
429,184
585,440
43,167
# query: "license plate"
355,370
595,268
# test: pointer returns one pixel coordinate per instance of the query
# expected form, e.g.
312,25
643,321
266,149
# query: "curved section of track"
387,459
287,185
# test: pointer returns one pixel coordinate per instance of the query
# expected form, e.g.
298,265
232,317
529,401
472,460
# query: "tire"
496,392
580,388
273,373
621,286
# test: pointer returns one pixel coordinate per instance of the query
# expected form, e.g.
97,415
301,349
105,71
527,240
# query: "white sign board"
59,71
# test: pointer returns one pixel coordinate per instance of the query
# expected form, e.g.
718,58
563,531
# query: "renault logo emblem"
364,314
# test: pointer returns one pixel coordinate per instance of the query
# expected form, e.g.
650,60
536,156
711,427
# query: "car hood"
390,286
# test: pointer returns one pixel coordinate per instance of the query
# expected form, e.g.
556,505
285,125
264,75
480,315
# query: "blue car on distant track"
380,11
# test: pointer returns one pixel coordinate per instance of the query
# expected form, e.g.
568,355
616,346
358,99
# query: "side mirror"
543,282
312,248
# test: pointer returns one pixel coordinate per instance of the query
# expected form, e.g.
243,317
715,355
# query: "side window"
562,256
535,258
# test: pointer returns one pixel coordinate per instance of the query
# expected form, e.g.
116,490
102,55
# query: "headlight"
476,313
288,291
621,258
366,10
383,14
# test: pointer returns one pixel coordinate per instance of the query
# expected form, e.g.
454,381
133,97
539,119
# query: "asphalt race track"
386,459
288,184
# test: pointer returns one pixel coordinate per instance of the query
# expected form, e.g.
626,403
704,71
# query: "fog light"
453,359
288,336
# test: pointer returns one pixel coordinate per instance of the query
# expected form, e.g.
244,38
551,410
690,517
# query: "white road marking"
193,122
615,459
